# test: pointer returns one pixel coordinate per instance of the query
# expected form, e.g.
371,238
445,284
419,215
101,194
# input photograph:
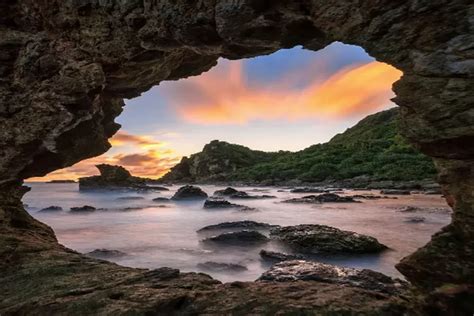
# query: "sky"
288,100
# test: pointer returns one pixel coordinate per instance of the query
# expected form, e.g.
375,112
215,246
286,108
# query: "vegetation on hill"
373,148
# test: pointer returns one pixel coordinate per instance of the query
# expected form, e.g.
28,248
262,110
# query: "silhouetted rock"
308,190
315,271
213,203
227,191
132,198
371,197
52,208
322,198
189,192
395,192
273,256
61,181
114,178
85,208
240,225
245,195
161,199
325,239
105,253
239,238
221,267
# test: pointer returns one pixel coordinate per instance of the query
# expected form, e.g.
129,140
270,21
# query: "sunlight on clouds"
147,158
225,97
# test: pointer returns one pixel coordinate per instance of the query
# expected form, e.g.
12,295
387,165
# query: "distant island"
371,153
61,181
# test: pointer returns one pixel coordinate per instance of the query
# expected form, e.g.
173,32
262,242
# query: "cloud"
224,96
123,138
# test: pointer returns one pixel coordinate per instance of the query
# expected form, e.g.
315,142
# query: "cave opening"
66,68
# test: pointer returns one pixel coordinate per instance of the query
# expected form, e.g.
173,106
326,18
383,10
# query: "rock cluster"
189,192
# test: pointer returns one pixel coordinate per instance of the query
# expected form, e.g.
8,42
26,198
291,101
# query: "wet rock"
221,267
415,219
227,191
85,208
371,197
158,188
315,271
308,190
395,192
189,192
217,203
322,198
161,199
240,225
273,256
105,253
238,238
131,198
325,239
52,208
245,195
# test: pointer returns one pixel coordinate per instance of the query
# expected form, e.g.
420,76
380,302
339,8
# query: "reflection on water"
154,236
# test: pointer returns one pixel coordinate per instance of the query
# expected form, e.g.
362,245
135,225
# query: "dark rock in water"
113,178
273,256
52,208
227,191
415,209
322,198
161,199
212,203
130,198
433,192
325,239
85,208
105,253
161,274
242,225
239,238
221,267
158,188
308,190
189,192
371,197
415,219
315,271
410,209
395,192
245,195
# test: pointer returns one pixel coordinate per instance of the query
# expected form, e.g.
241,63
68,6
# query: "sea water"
154,234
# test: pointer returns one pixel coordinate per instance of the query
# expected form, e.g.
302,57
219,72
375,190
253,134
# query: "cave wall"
67,65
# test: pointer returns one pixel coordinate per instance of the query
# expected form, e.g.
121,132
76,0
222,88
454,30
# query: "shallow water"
156,236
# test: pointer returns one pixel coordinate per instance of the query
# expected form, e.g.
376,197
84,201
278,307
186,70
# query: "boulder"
371,197
273,256
189,192
161,199
85,208
240,225
52,208
217,203
395,192
315,271
227,191
415,219
245,195
239,238
105,253
322,198
325,239
221,267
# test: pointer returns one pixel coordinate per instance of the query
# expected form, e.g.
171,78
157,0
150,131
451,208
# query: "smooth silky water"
164,234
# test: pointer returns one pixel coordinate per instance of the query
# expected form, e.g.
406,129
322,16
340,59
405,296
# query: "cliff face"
66,66
371,151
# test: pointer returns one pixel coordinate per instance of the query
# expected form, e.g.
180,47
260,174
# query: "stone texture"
65,67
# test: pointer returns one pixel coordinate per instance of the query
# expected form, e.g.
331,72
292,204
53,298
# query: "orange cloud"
152,163
225,96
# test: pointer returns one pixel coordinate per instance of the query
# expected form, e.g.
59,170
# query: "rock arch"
67,65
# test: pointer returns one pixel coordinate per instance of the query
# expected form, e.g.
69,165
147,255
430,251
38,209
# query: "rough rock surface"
240,225
85,208
189,192
322,198
238,238
52,208
245,196
66,66
273,256
216,203
105,253
227,191
395,192
315,271
325,239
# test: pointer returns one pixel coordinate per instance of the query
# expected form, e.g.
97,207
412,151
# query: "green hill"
372,149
